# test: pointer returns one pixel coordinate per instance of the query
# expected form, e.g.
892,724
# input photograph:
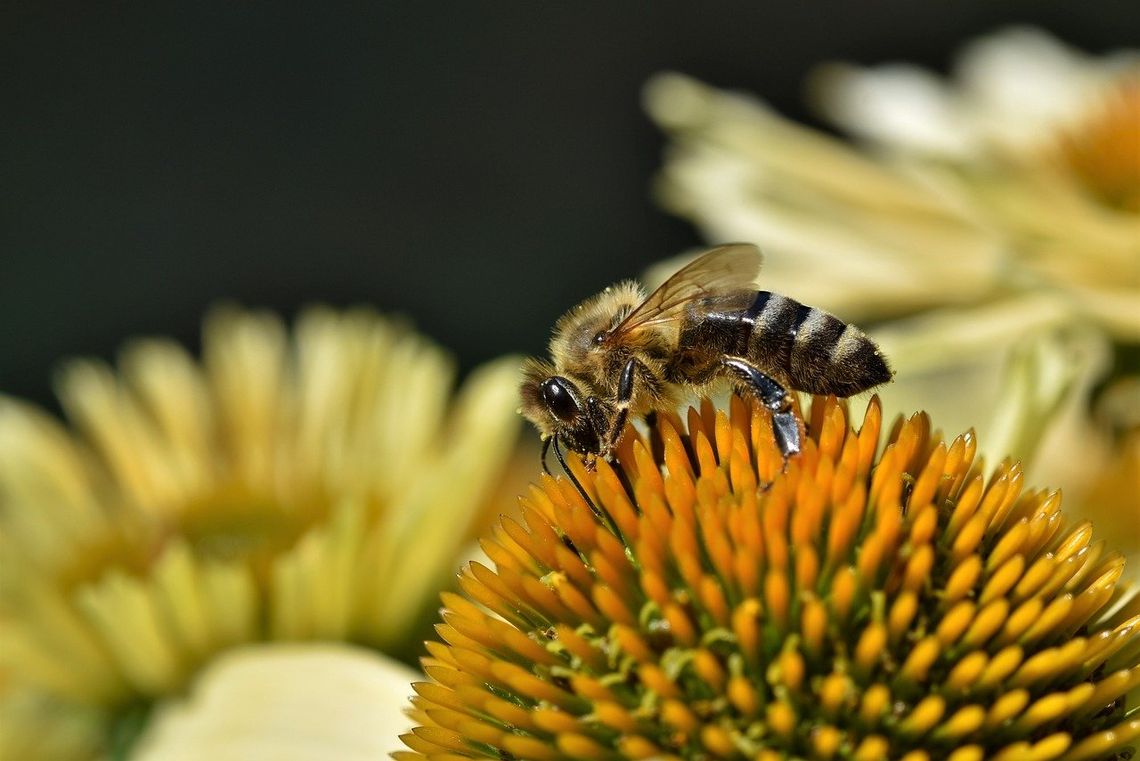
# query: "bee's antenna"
542,458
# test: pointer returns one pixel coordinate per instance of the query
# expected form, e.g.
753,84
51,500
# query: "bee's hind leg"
786,427
775,397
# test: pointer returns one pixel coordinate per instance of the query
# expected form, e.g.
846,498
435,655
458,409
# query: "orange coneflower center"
708,603
1103,151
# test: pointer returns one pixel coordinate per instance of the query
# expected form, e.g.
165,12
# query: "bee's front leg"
599,420
621,409
785,425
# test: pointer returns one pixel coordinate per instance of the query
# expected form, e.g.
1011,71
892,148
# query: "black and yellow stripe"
814,350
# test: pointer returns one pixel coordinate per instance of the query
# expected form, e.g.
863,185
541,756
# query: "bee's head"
561,406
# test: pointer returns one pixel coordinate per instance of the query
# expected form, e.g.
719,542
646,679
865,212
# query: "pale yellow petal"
888,239
1009,91
131,626
961,367
289,702
173,391
751,130
1047,381
244,357
429,528
1023,83
926,342
1112,501
898,105
119,430
51,495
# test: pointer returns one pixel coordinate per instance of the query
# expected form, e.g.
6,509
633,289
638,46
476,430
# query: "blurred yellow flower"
319,484
867,603
988,232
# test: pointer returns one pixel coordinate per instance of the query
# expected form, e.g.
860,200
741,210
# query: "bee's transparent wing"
725,269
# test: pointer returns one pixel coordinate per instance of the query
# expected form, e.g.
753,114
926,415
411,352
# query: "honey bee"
622,352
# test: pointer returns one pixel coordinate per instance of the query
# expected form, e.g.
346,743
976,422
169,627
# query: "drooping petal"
293,702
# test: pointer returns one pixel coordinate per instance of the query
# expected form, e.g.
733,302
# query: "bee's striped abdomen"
814,350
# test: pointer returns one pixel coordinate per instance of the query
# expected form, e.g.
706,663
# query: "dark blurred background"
477,166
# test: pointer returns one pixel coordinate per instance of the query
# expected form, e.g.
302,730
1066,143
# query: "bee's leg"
775,397
599,426
786,427
621,407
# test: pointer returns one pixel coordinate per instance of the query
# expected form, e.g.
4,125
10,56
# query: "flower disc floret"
862,603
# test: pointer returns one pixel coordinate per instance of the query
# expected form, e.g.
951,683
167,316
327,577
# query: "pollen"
867,601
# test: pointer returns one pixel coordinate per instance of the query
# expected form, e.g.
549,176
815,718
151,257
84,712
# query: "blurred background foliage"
424,159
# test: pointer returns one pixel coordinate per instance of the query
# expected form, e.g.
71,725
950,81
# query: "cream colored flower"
318,484
838,228
988,233
1011,94
286,702
1038,140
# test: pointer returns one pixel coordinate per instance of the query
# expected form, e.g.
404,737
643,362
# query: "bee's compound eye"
558,399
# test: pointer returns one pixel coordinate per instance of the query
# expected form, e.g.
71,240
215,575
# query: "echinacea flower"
1018,96
1048,153
317,484
982,230
866,603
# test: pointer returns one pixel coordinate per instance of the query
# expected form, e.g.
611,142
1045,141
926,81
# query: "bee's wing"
724,269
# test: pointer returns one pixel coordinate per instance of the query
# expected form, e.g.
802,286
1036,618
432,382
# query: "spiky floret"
863,605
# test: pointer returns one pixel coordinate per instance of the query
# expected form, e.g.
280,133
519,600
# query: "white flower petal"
1012,91
897,105
287,702
931,340
1048,376
1023,84
1017,372
815,205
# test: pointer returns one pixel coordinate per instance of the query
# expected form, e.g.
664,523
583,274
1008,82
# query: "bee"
623,353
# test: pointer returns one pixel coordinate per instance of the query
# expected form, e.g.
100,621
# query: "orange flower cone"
867,603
